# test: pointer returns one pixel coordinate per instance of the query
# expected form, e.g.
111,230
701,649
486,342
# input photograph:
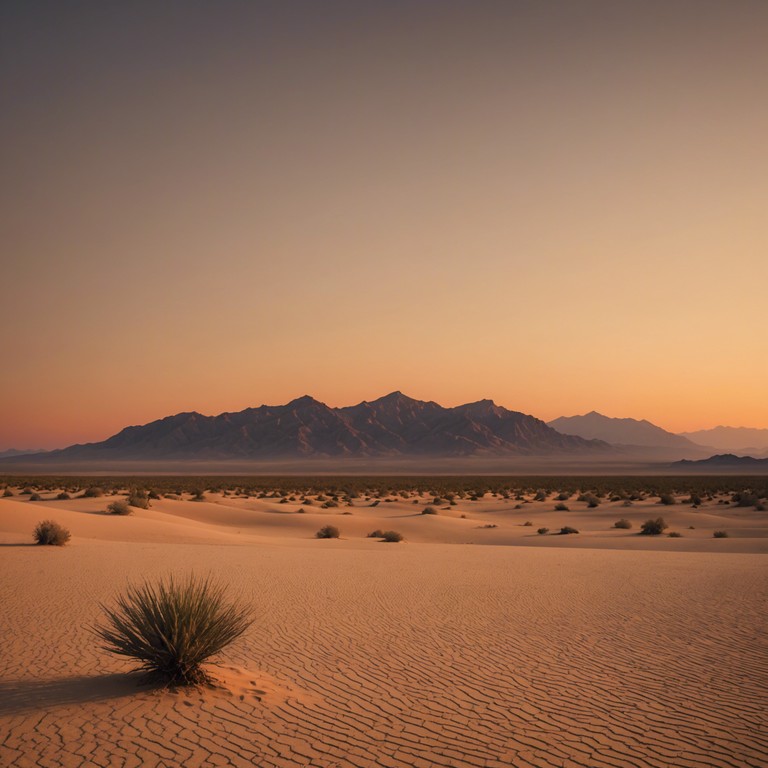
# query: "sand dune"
601,649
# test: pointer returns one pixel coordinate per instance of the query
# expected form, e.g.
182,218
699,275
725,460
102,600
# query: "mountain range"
392,426
740,439
627,433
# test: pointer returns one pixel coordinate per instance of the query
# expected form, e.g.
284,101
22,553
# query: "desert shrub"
49,532
138,499
26,492
63,496
760,507
7,493
566,529
540,496
542,531
172,628
674,534
429,511
563,496
489,525
560,507
627,503
527,523
694,499
153,495
653,527
392,536
93,492
198,495
328,532
667,499
330,503
119,508
377,534
35,497
173,496
720,534
623,523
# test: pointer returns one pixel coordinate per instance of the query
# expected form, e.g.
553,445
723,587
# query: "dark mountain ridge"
392,426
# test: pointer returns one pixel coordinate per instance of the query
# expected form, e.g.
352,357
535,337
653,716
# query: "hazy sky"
561,206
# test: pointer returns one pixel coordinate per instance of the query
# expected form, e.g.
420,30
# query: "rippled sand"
602,649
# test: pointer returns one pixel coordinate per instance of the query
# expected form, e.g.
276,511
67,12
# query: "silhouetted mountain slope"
394,425
630,432
742,439
725,461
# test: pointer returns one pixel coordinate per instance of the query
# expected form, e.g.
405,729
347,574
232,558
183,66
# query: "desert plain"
476,641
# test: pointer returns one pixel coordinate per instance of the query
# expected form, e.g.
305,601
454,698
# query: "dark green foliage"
328,532
720,534
119,508
542,531
623,523
653,527
50,532
392,536
173,627
566,529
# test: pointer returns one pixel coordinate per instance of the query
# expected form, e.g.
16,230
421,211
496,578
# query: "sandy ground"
462,646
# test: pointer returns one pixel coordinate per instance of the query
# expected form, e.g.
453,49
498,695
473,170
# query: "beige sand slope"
602,649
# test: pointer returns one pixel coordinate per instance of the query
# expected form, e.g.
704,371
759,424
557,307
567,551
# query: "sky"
207,206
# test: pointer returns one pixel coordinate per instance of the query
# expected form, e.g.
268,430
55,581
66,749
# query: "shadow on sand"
18,696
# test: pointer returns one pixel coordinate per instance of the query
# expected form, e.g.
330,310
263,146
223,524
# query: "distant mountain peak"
393,425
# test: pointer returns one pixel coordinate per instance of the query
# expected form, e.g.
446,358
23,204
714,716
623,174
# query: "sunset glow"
561,207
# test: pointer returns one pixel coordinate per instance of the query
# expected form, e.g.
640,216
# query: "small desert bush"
329,504
63,496
35,497
674,534
720,534
560,507
26,492
392,536
138,499
566,529
7,493
198,495
93,492
119,508
377,534
623,523
49,532
542,531
667,499
489,525
429,511
653,527
527,524
328,532
173,627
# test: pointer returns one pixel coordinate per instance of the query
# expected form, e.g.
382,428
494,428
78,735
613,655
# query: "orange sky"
558,206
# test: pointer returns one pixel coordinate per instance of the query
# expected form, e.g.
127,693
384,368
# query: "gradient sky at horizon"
213,205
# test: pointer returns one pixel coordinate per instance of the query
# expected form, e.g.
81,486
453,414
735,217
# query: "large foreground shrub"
328,532
173,627
50,532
